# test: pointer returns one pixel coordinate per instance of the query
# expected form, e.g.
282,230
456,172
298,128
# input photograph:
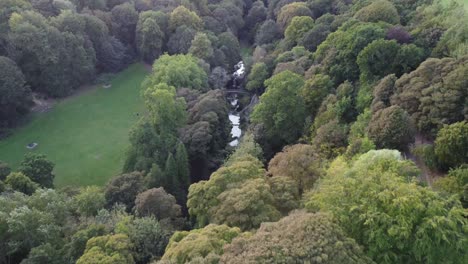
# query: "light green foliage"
380,10
455,182
391,128
298,162
77,245
203,196
315,90
21,183
434,94
167,112
201,47
453,42
89,201
376,204
247,147
180,71
285,193
257,76
181,16
109,249
298,27
281,109
200,244
289,11
451,144
38,168
299,238
247,206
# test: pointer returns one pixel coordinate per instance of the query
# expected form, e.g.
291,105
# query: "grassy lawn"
85,135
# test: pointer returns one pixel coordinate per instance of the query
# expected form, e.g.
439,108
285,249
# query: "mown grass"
86,135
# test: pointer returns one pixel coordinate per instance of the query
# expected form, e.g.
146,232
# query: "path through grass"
86,135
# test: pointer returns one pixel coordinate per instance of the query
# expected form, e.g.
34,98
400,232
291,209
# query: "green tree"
391,128
451,144
315,90
21,183
181,16
178,71
201,47
183,169
167,112
89,201
157,203
124,21
124,189
300,237
455,182
298,27
267,33
38,168
181,40
377,205
281,109
298,162
257,76
5,170
203,245
15,96
149,36
108,249
77,245
289,11
381,10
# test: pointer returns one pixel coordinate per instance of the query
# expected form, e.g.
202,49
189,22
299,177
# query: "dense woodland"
356,152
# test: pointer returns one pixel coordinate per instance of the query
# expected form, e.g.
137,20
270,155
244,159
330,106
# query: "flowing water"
234,114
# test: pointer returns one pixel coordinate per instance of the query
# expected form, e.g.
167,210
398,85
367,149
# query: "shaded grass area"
86,135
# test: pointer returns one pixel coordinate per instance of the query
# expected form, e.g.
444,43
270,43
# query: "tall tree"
39,169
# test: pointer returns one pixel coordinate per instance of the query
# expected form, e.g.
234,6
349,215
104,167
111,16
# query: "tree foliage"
452,143
39,169
381,10
115,249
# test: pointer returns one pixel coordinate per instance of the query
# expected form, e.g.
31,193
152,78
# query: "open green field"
86,135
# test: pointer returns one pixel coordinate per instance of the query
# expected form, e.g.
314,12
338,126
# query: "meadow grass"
85,135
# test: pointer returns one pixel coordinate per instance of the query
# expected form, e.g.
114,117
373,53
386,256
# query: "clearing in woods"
85,135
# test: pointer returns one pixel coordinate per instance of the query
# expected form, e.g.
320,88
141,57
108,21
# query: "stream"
234,114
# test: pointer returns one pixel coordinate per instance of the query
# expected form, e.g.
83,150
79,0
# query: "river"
234,114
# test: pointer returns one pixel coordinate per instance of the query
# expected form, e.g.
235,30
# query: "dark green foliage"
124,189
180,41
157,203
315,90
149,36
451,144
15,96
4,170
380,10
330,139
39,169
289,11
267,33
124,20
257,76
76,247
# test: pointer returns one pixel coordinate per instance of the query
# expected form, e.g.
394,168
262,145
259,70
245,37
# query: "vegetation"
353,119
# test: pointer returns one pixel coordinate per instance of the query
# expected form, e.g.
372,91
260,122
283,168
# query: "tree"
315,90
15,96
433,100
200,244
167,112
123,189
247,206
267,33
181,16
124,21
451,144
281,109
157,203
298,27
182,161
300,237
201,47
21,183
149,36
180,41
378,205
289,11
38,168
257,76
455,182
108,249
314,37
178,71
77,245
4,170
381,10
89,201
219,78
330,139
298,162
391,128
